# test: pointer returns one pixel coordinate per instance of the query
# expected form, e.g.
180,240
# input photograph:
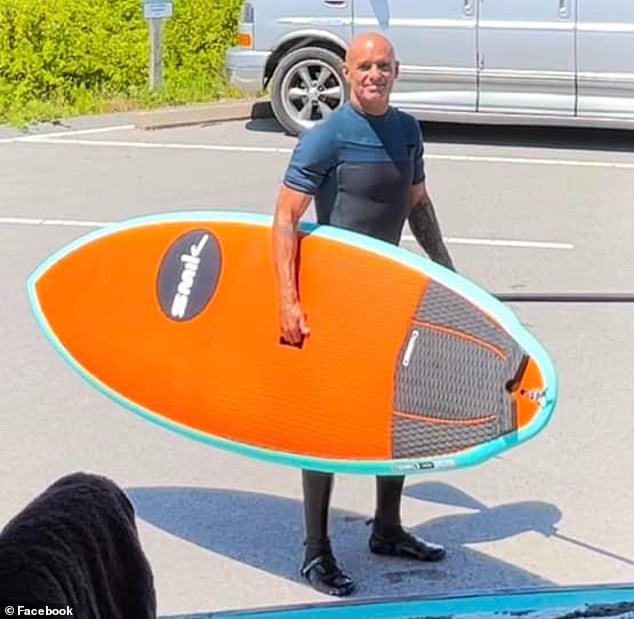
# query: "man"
363,166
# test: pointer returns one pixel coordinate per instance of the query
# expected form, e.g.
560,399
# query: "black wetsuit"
360,170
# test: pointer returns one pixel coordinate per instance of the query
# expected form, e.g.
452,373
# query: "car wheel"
306,87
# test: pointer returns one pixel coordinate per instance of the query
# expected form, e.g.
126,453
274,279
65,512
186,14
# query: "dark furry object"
76,544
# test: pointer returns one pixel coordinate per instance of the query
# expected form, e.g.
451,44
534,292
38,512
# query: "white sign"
157,10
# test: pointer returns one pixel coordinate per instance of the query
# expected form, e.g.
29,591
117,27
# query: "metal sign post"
155,11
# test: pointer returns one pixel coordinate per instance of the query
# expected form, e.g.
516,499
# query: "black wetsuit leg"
388,537
389,490
317,492
320,567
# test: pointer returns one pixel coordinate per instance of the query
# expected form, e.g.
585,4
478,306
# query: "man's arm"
311,162
291,205
425,227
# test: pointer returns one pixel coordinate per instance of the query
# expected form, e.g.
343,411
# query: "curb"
222,111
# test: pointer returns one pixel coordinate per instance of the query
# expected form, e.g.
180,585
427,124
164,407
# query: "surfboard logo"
188,275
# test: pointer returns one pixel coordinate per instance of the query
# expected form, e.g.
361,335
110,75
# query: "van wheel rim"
311,91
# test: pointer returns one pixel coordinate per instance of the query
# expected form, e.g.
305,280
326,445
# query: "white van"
547,62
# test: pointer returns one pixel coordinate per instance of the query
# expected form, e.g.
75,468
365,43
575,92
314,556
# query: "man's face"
371,71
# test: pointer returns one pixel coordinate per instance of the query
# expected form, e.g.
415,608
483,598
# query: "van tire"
315,60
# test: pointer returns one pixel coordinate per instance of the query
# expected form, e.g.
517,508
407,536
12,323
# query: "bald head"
370,69
369,43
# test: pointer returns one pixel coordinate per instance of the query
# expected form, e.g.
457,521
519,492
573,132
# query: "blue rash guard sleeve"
312,160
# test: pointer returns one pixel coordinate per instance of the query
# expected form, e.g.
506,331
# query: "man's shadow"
266,532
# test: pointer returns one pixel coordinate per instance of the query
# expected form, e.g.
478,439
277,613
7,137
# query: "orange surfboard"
408,367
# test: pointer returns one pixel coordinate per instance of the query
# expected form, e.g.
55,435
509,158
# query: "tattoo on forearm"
285,251
425,228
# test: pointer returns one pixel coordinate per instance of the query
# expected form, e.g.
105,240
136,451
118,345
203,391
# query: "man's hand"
425,227
293,324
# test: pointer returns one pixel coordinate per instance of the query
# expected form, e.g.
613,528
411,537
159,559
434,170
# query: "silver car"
546,62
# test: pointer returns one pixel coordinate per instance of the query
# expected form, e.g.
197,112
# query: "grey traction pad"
451,377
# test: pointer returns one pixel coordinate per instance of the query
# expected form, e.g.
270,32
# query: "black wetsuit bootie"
394,541
321,571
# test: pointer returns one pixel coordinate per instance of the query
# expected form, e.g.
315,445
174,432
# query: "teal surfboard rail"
453,281
590,602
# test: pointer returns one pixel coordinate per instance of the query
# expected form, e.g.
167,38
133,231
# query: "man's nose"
375,72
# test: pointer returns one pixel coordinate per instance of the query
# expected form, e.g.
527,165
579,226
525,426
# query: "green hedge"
84,54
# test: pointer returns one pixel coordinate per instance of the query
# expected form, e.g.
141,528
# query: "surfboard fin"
515,382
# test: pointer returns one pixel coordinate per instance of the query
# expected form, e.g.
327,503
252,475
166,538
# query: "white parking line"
531,161
95,130
44,136
33,221
160,145
76,223
501,243
60,139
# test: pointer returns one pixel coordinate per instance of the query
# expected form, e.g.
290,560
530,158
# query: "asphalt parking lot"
522,210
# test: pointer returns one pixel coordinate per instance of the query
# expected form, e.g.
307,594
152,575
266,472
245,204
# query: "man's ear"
397,66
345,70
